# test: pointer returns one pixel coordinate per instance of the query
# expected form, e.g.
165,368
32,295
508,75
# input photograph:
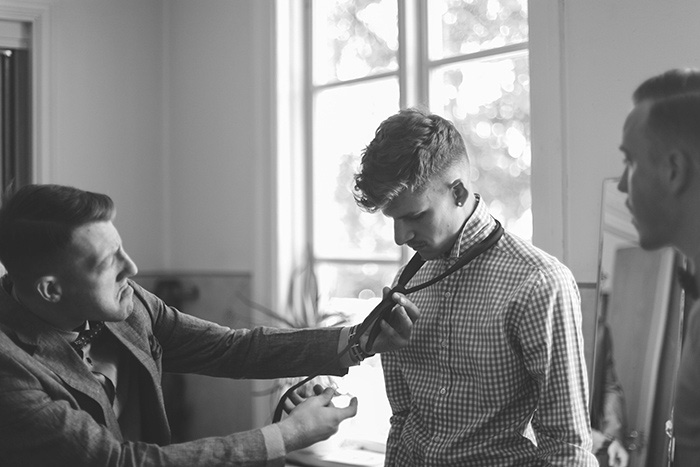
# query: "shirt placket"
444,379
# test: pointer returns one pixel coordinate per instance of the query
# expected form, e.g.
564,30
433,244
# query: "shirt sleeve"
552,345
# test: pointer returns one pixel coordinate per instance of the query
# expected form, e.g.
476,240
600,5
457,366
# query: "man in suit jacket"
83,347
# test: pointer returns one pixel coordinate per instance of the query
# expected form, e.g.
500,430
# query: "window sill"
346,454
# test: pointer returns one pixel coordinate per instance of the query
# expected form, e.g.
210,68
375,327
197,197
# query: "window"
467,61
362,60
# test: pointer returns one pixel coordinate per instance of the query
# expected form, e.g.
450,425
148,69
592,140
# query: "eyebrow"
411,214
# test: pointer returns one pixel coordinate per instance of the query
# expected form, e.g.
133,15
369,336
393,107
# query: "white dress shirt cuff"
274,443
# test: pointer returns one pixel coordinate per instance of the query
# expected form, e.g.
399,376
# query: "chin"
650,243
428,255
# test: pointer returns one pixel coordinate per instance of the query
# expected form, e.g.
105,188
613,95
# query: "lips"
124,291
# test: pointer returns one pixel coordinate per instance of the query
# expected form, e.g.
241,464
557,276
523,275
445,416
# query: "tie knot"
86,336
688,282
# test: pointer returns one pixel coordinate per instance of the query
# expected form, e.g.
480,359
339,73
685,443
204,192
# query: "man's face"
94,273
641,180
428,221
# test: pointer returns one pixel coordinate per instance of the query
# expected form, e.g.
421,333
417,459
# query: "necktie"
82,346
85,337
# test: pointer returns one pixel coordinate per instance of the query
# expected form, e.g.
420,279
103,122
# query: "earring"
459,203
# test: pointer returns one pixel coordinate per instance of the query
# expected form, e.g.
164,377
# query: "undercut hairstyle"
674,110
408,149
37,223
675,122
670,83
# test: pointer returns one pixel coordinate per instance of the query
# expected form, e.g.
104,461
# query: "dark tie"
86,337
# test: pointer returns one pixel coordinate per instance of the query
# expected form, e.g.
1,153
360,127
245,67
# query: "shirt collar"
477,227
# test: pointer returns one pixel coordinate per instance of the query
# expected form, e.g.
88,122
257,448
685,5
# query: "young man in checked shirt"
495,373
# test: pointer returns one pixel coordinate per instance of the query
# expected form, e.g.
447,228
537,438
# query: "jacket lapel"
46,345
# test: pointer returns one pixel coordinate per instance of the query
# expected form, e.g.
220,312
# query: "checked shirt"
495,372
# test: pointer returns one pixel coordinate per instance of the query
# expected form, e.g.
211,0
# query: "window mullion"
308,141
413,78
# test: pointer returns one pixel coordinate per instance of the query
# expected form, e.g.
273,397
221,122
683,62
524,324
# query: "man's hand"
396,333
313,419
617,454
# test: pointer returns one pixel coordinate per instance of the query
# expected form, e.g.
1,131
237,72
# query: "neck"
45,313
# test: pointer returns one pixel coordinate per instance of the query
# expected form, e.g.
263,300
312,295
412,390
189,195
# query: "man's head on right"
37,223
661,143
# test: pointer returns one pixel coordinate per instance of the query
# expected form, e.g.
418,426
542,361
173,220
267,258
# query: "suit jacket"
53,412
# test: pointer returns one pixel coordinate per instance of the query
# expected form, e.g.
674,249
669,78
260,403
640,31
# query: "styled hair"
38,221
408,149
667,84
675,121
674,110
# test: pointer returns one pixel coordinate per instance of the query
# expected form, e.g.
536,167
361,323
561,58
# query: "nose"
130,269
402,233
622,184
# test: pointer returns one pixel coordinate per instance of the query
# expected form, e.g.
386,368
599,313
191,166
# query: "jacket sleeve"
193,345
42,424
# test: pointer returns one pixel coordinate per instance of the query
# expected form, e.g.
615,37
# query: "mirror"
636,337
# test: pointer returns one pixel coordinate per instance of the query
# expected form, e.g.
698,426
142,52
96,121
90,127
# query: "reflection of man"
94,397
495,373
608,418
661,144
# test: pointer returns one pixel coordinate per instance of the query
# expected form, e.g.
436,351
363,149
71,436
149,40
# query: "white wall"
106,111
156,104
212,133
606,49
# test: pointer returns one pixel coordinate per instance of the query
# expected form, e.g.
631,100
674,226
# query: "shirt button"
448,294
444,343
442,391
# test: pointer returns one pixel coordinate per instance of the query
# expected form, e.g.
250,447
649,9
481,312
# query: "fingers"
350,410
294,398
326,395
411,310
385,291
403,315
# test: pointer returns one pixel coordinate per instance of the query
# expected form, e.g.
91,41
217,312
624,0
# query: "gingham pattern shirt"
494,374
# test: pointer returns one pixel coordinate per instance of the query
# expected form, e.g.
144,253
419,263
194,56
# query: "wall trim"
548,127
